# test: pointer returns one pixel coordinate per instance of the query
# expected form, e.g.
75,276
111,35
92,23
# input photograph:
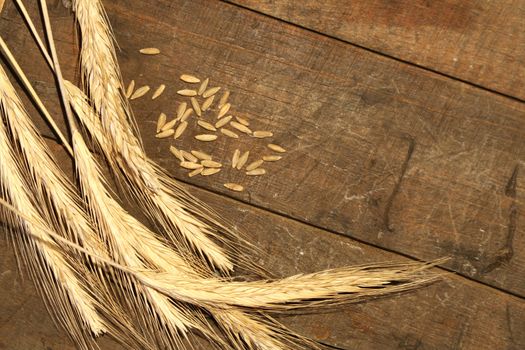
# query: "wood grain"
380,151
482,42
452,314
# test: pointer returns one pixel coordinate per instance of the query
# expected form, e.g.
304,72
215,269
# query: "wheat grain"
186,114
203,86
262,134
224,99
210,92
276,148
159,91
234,187
207,103
195,172
211,164
205,125
161,121
165,133
189,79
224,109
180,129
190,165
229,133
177,153
201,155
181,109
210,171
206,137
254,165
243,121
189,156
235,158
223,121
170,124
271,158
241,128
140,92
129,90
196,107
187,92
256,172
242,160
149,51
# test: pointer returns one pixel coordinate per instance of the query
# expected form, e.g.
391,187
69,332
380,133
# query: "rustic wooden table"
405,125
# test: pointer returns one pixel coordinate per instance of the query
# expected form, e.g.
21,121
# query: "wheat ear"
67,298
188,223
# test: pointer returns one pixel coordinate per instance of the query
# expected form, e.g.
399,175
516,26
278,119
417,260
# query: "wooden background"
405,125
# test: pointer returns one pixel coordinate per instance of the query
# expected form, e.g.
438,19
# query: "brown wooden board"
452,314
378,150
482,42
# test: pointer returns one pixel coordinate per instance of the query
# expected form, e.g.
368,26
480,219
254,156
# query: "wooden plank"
453,314
378,150
482,42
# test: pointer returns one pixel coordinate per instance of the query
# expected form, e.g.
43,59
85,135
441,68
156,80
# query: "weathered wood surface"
378,150
453,314
482,42
388,154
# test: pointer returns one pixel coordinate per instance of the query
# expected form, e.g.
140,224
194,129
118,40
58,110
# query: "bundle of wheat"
103,271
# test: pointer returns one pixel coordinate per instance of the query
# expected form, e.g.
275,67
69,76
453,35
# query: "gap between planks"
379,53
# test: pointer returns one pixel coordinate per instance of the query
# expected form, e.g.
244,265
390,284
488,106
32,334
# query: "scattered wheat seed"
165,133
224,109
206,137
242,160
223,121
140,92
276,148
161,121
234,187
224,98
187,92
206,104
149,51
271,158
201,155
206,125
177,153
159,91
130,89
211,164
254,165
189,79
235,158
195,172
243,121
210,92
210,171
241,128
255,172
186,114
229,133
189,156
190,165
180,129
203,86
170,124
261,134
196,107
181,109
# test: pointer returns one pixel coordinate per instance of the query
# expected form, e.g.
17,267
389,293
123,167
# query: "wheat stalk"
190,224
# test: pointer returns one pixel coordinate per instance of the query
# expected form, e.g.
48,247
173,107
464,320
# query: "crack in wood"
390,201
